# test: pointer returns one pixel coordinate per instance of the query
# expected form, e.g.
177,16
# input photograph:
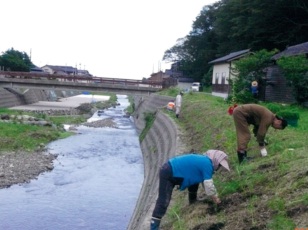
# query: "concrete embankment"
161,142
15,97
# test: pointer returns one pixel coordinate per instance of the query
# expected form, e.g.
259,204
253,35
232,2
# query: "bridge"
10,79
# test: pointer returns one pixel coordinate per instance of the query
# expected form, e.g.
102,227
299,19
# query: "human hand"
216,199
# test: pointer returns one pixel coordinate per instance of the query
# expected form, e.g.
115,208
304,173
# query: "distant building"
159,76
62,70
36,69
183,82
84,73
222,72
277,89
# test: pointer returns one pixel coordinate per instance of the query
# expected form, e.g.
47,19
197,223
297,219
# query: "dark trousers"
166,186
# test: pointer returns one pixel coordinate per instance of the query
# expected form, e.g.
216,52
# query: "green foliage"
131,108
249,191
295,69
15,136
233,25
281,222
277,204
172,91
13,60
274,107
59,120
247,70
149,120
287,114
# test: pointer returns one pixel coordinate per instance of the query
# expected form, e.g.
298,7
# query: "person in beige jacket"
261,118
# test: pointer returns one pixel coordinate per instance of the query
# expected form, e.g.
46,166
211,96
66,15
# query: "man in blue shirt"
187,171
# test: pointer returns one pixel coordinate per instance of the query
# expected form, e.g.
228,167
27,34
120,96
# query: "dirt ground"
22,167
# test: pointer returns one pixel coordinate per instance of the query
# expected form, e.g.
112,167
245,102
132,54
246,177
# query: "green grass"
25,137
260,194
15,136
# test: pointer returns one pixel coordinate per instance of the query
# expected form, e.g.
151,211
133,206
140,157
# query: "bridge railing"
84,79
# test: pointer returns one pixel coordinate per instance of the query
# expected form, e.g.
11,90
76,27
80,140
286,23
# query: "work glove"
263,152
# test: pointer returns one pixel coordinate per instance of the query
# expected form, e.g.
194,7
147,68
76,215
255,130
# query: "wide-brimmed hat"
218,158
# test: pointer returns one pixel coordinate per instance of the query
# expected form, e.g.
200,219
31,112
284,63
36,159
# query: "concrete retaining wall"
16,97
161,142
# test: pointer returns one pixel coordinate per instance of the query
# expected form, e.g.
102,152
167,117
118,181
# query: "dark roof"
66,69
231,56
293,51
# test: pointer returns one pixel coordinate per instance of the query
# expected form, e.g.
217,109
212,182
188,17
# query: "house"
183,82
83,73
277,89
63,70
222,72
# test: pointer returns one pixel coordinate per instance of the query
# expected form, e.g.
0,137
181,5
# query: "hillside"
267,193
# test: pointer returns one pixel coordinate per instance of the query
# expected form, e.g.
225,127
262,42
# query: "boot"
177,115
242,156
192,197
155,222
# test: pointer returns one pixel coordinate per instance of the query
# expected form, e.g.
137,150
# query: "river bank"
22,166
161,142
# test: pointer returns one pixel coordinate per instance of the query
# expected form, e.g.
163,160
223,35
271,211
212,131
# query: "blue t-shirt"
192,168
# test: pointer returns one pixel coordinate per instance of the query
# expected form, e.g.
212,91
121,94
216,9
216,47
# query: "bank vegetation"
268,193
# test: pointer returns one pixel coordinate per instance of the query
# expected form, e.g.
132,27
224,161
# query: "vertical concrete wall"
161,143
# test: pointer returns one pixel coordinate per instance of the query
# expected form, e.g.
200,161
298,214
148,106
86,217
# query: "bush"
287,114
275,108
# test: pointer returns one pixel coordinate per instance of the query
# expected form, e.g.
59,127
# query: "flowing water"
94,185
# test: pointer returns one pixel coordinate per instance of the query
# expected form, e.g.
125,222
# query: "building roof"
231,56
293,51
66,69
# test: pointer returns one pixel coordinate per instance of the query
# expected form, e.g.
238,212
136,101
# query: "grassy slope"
268,193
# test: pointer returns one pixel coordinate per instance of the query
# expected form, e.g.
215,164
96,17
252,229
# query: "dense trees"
13,60
232,25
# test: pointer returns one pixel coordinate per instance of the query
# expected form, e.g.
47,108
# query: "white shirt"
178,100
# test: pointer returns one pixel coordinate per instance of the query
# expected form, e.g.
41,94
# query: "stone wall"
161,142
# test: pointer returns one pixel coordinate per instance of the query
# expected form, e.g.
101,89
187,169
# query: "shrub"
287,114
274,107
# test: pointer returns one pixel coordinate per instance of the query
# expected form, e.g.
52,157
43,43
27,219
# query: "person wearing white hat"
187,171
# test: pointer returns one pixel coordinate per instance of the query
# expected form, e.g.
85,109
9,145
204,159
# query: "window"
223,78
216,78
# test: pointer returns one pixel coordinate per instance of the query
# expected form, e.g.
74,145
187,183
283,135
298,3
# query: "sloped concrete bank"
16,97
161,142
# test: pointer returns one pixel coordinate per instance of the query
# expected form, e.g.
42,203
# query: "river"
94,185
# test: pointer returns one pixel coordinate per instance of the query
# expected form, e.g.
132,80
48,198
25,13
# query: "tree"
14,60
249,69
295,69
197,48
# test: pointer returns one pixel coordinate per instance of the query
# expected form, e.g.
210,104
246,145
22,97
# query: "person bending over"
187,171
261,118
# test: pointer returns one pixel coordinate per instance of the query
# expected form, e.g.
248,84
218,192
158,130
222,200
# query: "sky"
114,39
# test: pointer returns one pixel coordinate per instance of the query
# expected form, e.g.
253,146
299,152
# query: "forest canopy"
232,25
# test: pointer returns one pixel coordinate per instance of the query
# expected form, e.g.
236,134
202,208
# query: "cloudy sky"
115,38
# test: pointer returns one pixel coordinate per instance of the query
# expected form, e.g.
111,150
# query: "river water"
94,185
